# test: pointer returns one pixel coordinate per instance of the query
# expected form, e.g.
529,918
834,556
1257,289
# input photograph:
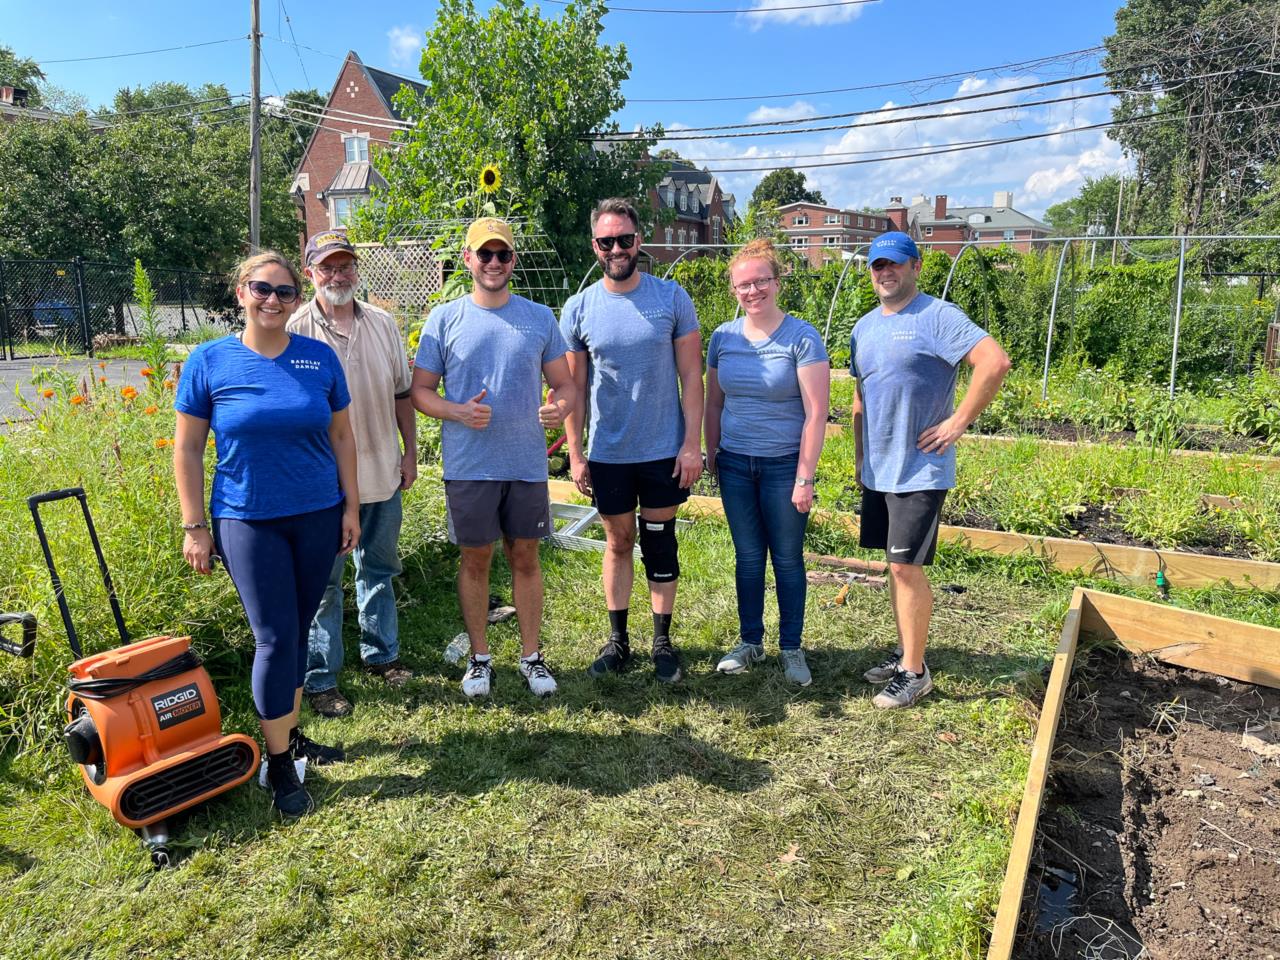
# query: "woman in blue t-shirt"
768,377
284,501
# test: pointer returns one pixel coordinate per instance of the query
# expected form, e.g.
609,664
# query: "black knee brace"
658,550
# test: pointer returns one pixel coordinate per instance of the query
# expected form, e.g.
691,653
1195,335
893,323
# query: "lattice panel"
402,278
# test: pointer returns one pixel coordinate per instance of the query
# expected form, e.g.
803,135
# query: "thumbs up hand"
549,414
475,414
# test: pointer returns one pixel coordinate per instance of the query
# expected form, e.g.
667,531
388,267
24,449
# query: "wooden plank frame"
1110,561
1216,645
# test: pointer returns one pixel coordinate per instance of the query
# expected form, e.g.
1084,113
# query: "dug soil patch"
1161,823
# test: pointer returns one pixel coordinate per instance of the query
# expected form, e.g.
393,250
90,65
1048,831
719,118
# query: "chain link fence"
52,307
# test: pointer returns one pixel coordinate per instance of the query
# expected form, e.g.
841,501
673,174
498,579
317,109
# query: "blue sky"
677,58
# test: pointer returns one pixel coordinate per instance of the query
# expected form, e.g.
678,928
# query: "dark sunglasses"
625,241
504,255
261,290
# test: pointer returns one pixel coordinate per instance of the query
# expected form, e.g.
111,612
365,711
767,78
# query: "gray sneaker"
885,670
740,658
796,670
904,689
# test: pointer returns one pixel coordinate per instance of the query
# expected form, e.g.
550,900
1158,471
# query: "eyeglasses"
625,241
504,255
748,285
261,290
346,269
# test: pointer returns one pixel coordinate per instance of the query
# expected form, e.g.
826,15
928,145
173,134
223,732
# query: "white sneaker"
478,679
740,658
904,689
537,676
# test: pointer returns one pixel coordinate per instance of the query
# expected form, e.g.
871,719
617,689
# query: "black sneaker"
666,663
287,792
614,657
301,746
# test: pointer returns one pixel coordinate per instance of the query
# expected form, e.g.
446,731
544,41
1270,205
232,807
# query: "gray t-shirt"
635,395
501,351
763,411
906,368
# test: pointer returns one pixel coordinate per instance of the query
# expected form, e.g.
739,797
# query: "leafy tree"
21,72
784,186
1192,63
1095,204
525,94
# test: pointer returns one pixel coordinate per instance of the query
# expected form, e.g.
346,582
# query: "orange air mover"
142,720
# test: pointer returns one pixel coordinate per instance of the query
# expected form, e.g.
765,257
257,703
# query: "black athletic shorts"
616,487
903,525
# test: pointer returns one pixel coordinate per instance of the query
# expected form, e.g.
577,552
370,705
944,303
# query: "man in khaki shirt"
373,358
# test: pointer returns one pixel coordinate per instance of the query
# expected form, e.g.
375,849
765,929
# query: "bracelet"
805,481
198,525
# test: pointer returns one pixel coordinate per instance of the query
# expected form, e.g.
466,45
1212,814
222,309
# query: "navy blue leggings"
280,568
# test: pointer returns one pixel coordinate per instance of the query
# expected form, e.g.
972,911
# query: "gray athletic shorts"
482,511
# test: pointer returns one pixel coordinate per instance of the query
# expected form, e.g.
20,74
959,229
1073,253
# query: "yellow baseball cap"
486,229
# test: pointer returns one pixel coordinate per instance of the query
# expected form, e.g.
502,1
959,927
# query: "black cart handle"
52,495
28,646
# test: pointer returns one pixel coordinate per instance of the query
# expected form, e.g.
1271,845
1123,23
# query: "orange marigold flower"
212,443
77,400
147,372
128,392
168,384
151,409
102,364
162,442
102,379
46,393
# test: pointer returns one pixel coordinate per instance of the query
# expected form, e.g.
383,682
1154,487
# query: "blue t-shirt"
501,351
635,393
763,411
270,420
906,367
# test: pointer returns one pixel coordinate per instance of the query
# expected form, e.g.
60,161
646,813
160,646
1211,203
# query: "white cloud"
1040,172
797,111
792,12
404,45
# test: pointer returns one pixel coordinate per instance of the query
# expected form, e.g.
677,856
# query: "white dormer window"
671,196
684,200
693,202
357,148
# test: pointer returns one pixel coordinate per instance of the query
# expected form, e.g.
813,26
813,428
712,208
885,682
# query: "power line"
1039,61
303,46
142,53
289,23
320,115
169,106
976,145
799,6
345,114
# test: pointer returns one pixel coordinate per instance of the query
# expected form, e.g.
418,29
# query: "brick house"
13,107
936,226
702,212
335,173
821,233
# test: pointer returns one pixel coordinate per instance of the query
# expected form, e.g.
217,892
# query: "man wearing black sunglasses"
368,344
493,348
639,338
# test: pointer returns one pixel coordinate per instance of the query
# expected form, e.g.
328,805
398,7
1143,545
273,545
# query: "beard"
620,270
337,296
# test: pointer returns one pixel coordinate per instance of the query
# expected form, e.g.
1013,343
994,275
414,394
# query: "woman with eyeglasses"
768,380
284,502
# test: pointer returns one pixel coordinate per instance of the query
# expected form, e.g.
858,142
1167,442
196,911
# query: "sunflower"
490,179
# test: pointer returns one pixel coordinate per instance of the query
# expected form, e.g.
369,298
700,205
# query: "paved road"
15,378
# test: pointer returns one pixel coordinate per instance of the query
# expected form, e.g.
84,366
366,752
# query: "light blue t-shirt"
763,411
906,367
635,395
501,351
270,420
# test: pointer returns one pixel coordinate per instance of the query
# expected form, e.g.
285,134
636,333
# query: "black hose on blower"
106,687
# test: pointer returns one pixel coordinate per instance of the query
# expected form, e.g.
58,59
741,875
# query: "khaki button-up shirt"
377,370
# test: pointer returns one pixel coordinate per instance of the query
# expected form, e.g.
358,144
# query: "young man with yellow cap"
493,349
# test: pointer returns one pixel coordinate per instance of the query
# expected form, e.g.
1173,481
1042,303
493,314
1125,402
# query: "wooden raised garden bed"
1167,780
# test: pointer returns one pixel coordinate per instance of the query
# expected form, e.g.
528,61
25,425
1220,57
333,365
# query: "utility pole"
1116,231
255,143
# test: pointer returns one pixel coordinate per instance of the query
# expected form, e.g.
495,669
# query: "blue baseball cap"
895,246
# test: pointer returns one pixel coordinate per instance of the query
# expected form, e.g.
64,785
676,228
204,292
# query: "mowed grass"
725,817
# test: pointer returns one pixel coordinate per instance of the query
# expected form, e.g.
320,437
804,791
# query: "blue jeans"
756,492
377,560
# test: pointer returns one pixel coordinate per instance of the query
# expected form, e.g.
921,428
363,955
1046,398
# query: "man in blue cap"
905,355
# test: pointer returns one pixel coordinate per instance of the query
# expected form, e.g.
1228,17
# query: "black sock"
276,760
661,625
618,623
294,734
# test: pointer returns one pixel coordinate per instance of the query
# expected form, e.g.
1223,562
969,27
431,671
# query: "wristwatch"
198,525
805,481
